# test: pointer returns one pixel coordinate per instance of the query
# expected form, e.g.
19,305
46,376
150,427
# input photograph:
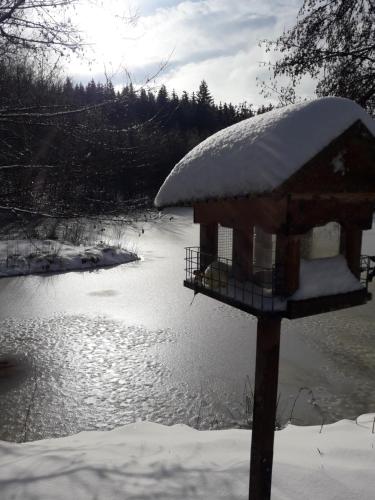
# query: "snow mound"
147,461
258,154
327,276
21,257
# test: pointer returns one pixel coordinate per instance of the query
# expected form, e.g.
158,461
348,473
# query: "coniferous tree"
162,97
204,96
205,109
121,150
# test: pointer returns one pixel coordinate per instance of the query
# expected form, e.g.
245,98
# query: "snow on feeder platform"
282,199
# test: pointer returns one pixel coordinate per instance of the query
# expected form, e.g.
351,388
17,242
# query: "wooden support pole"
265,402
280,264
243,253
287,263
263,248
292,264
208,244
353,245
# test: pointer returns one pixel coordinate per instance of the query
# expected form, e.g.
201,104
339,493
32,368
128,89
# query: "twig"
321,427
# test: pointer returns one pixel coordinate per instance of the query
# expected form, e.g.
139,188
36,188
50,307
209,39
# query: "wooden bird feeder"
290,251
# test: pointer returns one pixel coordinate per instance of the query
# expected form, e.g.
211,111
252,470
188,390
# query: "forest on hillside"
74,148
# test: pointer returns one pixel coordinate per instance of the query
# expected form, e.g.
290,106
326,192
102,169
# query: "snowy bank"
258,154
151,461
20,257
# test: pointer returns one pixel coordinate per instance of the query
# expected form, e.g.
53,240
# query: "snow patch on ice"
21,257
258,154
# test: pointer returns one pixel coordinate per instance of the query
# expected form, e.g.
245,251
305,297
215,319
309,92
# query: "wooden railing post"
208,244
288,259
243,253
352,248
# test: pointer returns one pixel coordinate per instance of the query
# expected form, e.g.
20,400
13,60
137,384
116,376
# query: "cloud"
230,78
215,40
192,28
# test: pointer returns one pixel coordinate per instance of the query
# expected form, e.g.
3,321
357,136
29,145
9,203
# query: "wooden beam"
319,305
243,252
296,308
293,259
287,264
208,240
280,264
304,213
353,245
263,248
267,211
265,406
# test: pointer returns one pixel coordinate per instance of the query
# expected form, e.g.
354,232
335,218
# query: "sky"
180,43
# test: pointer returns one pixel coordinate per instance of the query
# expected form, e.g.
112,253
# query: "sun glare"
110,34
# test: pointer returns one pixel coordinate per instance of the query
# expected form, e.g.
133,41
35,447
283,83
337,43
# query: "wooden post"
287,264
280,264
263,248
208,244
353,245
265,401
293,258
243,253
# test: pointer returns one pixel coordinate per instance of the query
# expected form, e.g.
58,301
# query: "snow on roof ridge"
259,154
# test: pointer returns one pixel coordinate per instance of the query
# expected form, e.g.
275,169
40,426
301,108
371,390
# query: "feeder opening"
225,242
322,241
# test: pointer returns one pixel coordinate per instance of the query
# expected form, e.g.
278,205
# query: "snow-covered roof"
258,154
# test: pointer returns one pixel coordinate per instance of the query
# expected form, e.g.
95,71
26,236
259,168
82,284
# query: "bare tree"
48,140
333,41
37,25
33,34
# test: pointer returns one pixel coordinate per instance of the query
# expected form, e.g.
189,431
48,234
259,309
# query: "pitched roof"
258,154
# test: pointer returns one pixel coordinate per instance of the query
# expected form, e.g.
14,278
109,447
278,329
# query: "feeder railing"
215,276
367,269
261,291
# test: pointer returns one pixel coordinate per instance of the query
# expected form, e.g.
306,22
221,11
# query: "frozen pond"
100,349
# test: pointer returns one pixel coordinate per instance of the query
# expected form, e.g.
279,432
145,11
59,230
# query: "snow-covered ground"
147,461
151,461
20,257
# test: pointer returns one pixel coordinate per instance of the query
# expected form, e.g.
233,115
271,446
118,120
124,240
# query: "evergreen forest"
70,148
